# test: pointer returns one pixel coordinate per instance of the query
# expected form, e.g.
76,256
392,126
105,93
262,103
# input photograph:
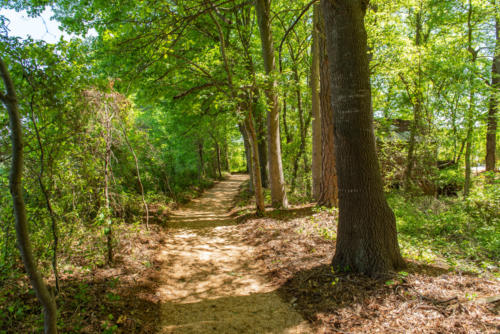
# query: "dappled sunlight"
209,278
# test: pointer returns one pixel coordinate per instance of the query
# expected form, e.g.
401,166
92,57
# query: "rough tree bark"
328,182
42,292
491,134
277,180
366,238
316,109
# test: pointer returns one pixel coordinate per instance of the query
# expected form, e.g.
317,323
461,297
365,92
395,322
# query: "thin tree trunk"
201,162
262,139
366,238
288,137
302,128
248,154
254,149
138,176
47,200
417,109
491,133
328,182
316,109
217,150
278,192
227,164
470,112
42,292
107,161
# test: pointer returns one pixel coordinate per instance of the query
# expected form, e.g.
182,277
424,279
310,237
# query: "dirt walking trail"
210,281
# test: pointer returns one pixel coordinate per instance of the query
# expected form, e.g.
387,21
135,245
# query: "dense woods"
378,118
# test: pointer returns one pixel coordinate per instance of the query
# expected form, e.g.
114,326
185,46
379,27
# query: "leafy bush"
463,233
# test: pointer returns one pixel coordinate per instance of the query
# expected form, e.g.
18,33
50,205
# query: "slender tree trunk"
278,192
258,115
470,112
302,128
491,134
139,180
254,149
366,238
248,154
107,161
417,109
200,157
227,164
316,109
42,292
262,140
48,202
288,137
328,182
217,150
468,146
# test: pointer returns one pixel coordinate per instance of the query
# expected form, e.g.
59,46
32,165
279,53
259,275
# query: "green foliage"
462,233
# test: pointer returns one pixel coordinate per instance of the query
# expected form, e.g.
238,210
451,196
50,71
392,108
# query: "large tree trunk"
23,240
491,134
316,109
277,180
328,182
366,238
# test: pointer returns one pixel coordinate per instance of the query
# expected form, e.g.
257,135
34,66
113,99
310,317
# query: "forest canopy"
387,105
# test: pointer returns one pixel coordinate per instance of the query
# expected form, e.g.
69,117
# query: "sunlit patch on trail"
209,280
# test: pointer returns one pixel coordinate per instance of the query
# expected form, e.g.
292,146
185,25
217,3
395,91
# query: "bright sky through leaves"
39,28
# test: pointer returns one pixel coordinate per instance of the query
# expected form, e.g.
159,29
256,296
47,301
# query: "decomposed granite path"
209,280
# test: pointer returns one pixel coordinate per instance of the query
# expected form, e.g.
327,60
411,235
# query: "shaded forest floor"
210,270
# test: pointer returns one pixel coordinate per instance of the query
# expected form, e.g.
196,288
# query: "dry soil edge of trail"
209,281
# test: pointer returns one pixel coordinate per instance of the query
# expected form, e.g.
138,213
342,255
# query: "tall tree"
277,180
416,127
44,296
470,111
316,108
491,134
328,181
367,236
